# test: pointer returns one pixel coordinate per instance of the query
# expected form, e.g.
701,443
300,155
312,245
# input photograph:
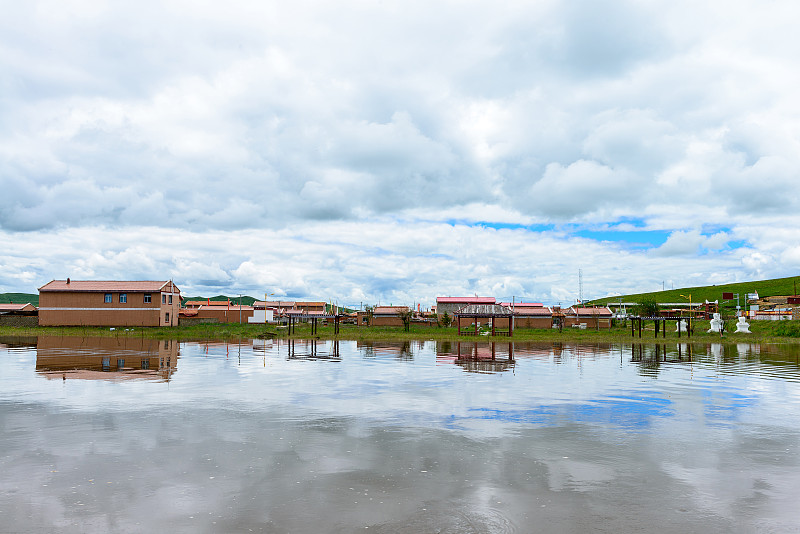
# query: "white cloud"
271,119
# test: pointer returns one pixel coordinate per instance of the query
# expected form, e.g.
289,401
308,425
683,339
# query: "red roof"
522,304
532,310
389,310
15,307
589,311
137,286
466,300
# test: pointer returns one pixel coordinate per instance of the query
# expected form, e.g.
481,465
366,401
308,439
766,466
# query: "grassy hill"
19,298
764,288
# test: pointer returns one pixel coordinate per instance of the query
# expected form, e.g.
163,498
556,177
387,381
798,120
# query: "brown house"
530,315
225,312
591,317
108,303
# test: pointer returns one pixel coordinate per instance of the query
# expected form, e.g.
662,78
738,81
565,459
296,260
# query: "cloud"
271,119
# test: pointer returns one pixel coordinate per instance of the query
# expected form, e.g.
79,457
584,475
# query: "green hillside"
764,288
19,298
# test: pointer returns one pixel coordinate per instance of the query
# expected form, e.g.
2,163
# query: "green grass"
763,332
764,288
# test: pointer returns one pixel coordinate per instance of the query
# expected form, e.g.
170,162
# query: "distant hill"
19,298
764,288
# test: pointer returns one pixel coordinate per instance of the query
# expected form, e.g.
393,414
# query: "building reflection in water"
311,349
475,357
106,358
12,343
401,350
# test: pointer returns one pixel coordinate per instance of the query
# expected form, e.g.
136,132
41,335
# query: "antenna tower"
580,286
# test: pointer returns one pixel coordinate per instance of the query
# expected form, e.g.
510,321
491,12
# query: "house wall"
386,320
590,321
225,315
85,308
533,321
19,320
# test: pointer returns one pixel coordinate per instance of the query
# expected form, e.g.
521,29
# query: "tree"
648,307
445,320
406,316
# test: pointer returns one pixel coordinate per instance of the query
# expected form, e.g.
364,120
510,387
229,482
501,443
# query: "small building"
591,317
450,305
530,314
282,308
17,308
109,303
495,317
225,312
388,315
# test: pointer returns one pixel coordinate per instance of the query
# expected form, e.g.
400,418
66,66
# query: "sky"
390,152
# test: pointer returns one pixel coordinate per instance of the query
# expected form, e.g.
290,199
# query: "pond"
136,435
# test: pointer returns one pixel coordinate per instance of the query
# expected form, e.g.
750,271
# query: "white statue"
716,324
681,326
743,327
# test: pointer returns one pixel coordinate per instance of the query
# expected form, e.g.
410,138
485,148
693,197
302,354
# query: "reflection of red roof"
100,285
466,300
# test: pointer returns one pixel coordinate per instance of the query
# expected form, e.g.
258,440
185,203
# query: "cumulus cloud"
265,117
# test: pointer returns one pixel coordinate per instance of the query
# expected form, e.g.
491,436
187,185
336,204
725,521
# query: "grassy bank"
763,331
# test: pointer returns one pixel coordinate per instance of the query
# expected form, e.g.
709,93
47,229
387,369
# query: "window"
123,298
166,317
170,299
163,299
148,298
145,364
108,298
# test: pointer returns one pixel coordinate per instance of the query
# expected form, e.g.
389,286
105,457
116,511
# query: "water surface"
135,435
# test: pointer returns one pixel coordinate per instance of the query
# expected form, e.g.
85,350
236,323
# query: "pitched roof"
532,310
135,286
389,310
484,310
589,311
15,307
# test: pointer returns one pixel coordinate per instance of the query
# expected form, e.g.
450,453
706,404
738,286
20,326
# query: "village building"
530,314
109,303
382,316
591,318
495,318
450,305
222,311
